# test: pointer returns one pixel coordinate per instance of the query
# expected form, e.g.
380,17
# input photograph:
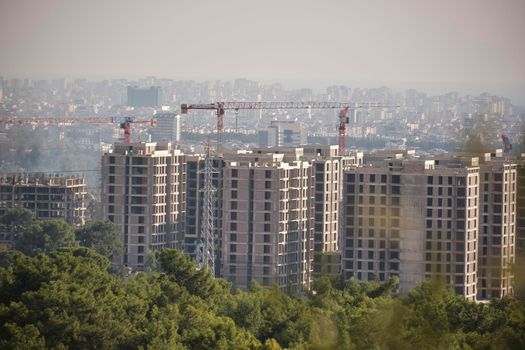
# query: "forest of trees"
58,290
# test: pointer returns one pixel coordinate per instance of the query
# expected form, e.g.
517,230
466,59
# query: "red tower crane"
221,107
125,124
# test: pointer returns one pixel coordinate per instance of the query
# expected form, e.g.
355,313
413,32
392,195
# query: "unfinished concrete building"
48,196
143,193
267,220
450,217
497,220
413,219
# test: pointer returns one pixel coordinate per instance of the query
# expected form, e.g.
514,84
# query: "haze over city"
465,46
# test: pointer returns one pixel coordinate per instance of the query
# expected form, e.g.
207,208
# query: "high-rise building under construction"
267,220
143,194
47,196
449,217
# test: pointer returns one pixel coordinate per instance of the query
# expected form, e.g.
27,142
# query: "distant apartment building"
48,196
143,193
143,97
283,133
167,128
267,220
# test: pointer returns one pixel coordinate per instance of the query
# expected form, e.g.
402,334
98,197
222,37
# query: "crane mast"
343,120
207,243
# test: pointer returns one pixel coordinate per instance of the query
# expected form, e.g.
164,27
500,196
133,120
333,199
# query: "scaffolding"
206,247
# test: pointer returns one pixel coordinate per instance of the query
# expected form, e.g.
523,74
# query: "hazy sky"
473,42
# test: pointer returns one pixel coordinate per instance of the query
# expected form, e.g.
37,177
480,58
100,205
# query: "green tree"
66,298
271,344
45,237
102,236
16,220
182,269
428,322
17,217
21,337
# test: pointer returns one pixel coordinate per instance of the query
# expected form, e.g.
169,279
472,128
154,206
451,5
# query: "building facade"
267,221
285,133
327,166
167,128
412,219
48,196
143,193
143,97
450,218
520,209
497,217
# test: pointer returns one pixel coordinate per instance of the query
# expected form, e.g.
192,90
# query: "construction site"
276,215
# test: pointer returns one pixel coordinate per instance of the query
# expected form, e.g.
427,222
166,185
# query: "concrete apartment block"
48,196
328,170
143,193
413,219
267,220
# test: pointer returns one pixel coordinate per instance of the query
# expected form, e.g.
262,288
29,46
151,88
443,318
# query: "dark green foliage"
101,236
16,220
182,270
45,237
61,296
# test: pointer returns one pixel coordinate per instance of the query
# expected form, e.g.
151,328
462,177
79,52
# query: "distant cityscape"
425,122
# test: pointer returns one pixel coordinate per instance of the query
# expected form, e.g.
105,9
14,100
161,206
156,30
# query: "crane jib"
281,105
